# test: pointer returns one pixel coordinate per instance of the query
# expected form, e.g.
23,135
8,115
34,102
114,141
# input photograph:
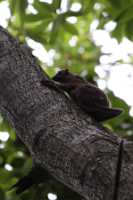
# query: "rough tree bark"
77,151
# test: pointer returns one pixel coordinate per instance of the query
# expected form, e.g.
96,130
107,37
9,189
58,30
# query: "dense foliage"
63,28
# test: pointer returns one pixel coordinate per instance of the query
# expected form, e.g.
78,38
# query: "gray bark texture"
75,150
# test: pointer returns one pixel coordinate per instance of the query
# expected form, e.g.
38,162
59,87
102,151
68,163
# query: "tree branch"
77,151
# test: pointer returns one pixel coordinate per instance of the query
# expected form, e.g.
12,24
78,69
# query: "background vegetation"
64,28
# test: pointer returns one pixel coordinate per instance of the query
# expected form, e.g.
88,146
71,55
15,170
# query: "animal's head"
63,76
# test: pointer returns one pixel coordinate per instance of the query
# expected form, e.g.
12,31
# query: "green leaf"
37,30
59,20
70,28
120,4
88,6
38,26
119,31
18,162
20,11
129,29
18,8
56,4
43,7
37,36
37,17
115,3
4,175
12,5
125,15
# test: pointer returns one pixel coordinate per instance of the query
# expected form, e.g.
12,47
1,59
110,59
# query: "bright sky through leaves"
4,136
52,196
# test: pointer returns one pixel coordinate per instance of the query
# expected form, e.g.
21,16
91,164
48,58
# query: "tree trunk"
75,150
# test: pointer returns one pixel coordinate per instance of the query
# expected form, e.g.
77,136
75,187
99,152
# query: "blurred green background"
92,39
